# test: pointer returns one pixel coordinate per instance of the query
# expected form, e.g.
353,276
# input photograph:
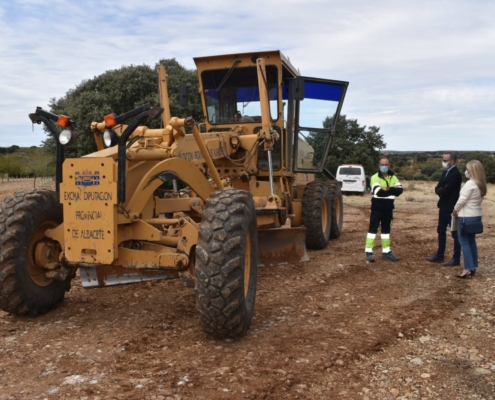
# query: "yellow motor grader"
204,202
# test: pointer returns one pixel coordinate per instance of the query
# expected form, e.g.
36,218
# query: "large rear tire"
316,216
24,288
336,209
227,264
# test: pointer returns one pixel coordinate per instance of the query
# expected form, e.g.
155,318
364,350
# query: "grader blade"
282,245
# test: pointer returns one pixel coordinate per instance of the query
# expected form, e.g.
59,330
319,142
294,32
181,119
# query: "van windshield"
350,171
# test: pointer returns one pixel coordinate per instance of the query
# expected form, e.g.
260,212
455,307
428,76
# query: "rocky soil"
332,328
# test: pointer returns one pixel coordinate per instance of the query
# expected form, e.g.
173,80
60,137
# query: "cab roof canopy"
274,57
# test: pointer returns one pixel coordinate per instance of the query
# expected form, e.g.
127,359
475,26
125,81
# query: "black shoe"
369,257
390,256
466,275
452,263
435,259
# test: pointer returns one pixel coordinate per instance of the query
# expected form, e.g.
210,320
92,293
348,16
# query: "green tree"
37,162
353,144
488,161
9,150
118,91
11,164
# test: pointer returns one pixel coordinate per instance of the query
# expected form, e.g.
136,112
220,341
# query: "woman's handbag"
472,228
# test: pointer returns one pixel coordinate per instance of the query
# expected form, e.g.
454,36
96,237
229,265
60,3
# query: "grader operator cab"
203,202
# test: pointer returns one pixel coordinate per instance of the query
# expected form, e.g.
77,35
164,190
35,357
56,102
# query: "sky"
422,71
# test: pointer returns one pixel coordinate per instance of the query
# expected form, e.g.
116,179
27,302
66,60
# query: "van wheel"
336,209
227,264
24,251
316,215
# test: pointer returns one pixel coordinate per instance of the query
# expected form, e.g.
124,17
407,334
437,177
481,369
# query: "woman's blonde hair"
477,174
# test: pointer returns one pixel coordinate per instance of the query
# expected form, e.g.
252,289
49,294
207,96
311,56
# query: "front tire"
24,288
227,264
316,217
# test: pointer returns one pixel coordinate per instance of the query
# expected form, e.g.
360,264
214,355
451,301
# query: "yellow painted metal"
164,101
266,221
324,216
98,136
297,212
89,195
188,236
266,122
41,253
184,169
176,204
206,155
138,230
147,259
247,264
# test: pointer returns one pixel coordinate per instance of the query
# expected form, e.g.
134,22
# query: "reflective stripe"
375,187
392,181
371,235
385,236
386,243
370,243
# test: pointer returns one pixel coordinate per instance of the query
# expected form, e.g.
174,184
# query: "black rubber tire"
316,215
20,218
227,264
336,209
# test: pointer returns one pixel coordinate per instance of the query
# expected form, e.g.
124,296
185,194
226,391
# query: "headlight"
110,137
66,137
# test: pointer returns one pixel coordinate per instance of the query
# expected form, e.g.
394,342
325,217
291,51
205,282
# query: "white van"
352,177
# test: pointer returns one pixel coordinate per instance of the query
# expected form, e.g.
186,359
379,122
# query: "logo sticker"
87,178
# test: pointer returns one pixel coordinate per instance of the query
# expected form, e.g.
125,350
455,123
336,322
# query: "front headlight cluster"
67,137
110,137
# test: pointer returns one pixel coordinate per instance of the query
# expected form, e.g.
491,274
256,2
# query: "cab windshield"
232,95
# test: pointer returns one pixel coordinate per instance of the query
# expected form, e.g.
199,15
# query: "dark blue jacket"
448,189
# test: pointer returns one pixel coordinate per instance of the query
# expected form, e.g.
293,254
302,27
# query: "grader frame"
248,194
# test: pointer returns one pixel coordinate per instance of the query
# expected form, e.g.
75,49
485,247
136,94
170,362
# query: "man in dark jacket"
448,189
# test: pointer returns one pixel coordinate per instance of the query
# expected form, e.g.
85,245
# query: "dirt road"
331,328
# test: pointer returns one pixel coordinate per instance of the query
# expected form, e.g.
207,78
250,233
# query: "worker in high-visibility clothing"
385,187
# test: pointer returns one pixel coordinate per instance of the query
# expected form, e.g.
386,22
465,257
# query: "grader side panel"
89,197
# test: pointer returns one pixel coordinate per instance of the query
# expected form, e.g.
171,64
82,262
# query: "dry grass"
420,194
16,185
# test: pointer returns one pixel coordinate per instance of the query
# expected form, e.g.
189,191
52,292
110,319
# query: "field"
332,328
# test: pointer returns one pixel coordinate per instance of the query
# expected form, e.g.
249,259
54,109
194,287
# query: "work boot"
369,257
435,259
390,256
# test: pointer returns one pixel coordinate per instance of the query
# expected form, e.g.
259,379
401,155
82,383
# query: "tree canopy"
118,91
353,144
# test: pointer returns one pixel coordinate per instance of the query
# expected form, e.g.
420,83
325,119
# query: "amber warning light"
63,121
110,120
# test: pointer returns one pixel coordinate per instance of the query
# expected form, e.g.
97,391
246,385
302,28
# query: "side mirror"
184,96
297,88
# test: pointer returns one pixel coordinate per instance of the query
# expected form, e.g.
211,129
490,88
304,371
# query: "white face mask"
445,164
467,174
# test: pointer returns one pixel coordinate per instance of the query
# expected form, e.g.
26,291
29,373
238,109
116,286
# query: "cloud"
420,70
